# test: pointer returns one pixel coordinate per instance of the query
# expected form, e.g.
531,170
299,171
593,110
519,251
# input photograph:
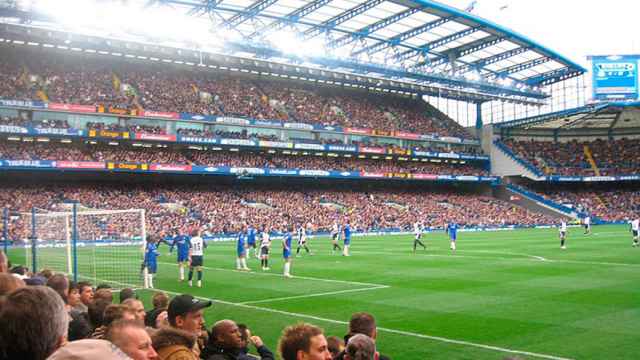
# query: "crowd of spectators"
219,209
612,157
45,315
185,156
160,87
608,205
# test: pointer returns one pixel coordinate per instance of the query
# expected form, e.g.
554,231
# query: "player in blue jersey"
251,242
286,250
241,249
183,243
452,230
150,259
347,239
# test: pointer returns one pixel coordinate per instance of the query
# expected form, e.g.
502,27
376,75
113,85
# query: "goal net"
100,246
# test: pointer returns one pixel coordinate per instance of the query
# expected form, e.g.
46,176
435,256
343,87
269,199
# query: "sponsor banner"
314,173
328,128
424,177
448,156
267,123
275,144
247,171
467,178
157,137
170,167
303,146
79,164
357,131
372,150
407,135
400,175
450,139
109,134
210,169
238,142
446,177
13,129
197,140
186,116
428,137
599,178
382,132
396,151
345,174
72,107
298,126
27,163
515,198
127,166
160,114
232,120
488,178
52,131
285,172
23,103
424,153
345,148
629,177
565,178
117,111
371,174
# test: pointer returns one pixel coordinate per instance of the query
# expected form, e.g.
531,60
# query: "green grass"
501,290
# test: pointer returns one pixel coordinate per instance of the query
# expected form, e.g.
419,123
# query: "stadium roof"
406,40
609,116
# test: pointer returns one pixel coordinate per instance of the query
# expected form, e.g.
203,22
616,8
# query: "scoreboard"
615,77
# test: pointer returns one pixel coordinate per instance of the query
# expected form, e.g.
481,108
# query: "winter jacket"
174,344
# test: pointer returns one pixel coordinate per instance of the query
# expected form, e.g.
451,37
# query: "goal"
100,246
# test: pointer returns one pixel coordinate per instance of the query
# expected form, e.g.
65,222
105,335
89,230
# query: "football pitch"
504,293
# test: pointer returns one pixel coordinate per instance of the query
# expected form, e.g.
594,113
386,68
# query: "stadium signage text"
314,173
13,129
157,137
276,144
283,172
169,167
161,114
299,126
198,140
303,146
372,150
232,120
72,107
245,170
23,103
239,142
80,164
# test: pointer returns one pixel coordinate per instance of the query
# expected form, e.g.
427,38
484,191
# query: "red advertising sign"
169,167
80,164
373,175
407,135
72,107
372,150
158,137
160,114
425,176
357,131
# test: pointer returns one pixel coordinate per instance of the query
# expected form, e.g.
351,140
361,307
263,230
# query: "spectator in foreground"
174,344
4,263
187,313
9,283
86,295
131,337
89,350
225,343
112,313
34,324
137,307
362,323
303,342
104,294
127,293
79,327
336,345
160,302
361,347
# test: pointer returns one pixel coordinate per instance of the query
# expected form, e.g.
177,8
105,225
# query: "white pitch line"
393,331
314,295
295,277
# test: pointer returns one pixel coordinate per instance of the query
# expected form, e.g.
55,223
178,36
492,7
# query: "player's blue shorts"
241,251
183,257
347,240
251,242
286,253
152,268
453,237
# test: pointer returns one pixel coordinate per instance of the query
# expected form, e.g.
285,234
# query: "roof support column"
479,123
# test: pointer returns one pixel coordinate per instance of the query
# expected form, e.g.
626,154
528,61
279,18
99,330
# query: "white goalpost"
100,246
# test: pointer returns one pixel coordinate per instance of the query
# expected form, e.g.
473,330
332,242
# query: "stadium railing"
502,146
542,200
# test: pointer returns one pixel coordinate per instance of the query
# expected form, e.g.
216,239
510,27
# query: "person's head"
74,295
9,283
103,286
34,323
137,307
86,292
89,349
127,293
187,313
103,294
226,335
96,312
360,347
131,337
60,284
245,335
303,342
335,345
363,323
160,300
4,262
46,273
115,312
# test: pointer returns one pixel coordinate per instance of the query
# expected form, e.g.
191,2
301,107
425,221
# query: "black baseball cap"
184,304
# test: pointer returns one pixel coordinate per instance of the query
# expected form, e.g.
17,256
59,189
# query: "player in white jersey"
302,241
417,230
265,245
196,252
587,224
336,235
635,228
562,229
